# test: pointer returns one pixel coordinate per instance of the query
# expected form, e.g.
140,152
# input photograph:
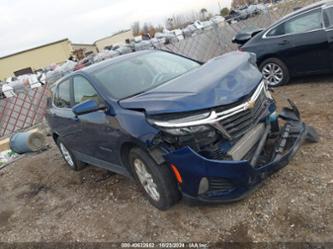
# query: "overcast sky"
25,24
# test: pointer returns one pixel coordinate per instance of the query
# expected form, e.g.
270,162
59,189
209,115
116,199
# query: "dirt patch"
238,233
41,199
32,191
4,217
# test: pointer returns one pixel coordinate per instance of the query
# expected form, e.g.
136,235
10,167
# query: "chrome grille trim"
240,123
218,116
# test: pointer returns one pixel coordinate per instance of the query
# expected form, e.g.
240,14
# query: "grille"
213,152
220,184
238,124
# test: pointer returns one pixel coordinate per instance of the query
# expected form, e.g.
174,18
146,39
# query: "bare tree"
239,3
151,30
136,28
159,28
180,21
169,23
194,16
145,29
203,13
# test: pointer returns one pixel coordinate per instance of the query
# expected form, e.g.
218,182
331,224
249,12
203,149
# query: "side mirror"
86,107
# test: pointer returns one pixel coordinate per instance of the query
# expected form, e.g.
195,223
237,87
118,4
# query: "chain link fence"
22,111
217,38
28,109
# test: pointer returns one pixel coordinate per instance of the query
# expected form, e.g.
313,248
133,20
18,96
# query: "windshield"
141,73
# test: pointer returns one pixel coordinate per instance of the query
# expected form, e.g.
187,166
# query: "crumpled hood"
221,81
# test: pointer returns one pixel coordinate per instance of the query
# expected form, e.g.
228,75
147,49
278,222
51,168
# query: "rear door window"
62,98
328,17
303,23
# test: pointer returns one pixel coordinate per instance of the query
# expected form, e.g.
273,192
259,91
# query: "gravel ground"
42,200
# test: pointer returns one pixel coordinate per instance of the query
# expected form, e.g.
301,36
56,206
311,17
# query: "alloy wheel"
146,179
66,155
273,73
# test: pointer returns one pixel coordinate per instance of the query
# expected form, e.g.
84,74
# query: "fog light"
203,186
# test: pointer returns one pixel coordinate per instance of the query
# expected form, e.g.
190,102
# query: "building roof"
82,44
120,32
30,49
62,40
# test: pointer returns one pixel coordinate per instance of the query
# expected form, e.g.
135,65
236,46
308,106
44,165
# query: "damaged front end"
223,153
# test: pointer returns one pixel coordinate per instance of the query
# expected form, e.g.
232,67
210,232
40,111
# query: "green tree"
225,11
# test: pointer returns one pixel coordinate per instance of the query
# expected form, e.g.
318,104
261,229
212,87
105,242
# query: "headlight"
253,59
186,130
267,92
184,125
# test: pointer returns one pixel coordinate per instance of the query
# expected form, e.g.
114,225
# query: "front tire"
70,159
275,72
156,181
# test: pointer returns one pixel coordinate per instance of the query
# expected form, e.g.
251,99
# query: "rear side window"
62,98
300,24
328,17
83,90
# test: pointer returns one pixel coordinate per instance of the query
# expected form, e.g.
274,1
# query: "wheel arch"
156,154
125,149
55,136
261,59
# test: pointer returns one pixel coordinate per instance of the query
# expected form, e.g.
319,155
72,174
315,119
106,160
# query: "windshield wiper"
133,95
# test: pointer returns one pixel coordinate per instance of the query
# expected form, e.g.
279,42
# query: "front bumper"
230,180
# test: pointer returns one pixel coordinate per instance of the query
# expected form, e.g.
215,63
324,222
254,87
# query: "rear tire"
275,72
156,181
69,158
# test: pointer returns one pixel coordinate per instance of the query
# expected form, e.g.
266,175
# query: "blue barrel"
24,142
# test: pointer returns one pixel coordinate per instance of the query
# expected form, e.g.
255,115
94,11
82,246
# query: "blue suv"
181,128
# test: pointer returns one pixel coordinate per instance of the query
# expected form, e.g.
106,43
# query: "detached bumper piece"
208,180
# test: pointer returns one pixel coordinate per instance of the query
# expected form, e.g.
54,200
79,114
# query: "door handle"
284,42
